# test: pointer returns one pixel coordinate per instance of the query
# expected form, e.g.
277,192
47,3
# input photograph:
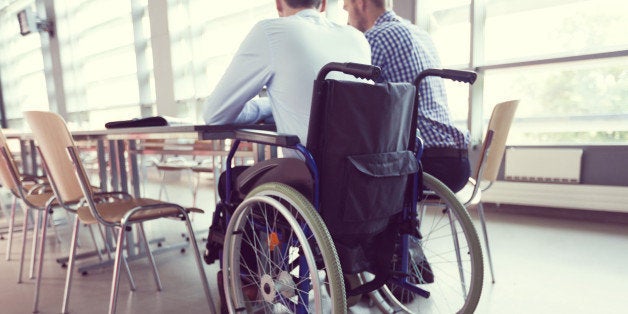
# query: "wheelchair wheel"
446,262
279,257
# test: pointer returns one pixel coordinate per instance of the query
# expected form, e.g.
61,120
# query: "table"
124,139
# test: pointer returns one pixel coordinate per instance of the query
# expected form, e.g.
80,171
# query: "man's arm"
249,71
255,110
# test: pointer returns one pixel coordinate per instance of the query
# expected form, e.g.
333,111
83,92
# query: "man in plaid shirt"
403,50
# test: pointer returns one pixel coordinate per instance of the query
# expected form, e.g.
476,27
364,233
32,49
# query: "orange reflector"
273,241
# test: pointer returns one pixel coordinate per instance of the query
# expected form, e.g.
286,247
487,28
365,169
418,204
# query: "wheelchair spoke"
274,259
446,261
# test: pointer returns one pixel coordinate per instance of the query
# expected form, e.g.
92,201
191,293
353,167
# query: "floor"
543,265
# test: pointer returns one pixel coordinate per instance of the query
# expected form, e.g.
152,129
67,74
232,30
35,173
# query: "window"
99,61
449,26
204,36
537,29
575,103
566,60
21,67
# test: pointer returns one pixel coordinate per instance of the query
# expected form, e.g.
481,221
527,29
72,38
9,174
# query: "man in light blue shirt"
284,54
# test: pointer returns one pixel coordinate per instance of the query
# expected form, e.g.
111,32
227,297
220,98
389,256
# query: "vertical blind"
21,67
98,60
204,36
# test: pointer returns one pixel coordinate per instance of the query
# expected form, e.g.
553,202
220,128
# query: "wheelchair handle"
456,75
358,70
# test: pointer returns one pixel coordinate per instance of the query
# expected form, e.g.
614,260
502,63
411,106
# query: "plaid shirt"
402,50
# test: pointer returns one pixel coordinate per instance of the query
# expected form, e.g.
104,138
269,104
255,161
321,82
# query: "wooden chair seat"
115,211
39,200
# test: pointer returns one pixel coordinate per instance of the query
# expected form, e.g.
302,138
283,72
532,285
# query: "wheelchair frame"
384,298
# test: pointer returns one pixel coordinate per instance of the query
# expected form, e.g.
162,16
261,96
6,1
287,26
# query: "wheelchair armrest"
267,137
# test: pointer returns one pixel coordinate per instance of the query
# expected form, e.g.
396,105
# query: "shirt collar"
308,13
388,16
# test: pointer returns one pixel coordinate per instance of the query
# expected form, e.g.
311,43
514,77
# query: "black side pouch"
368,204
375,185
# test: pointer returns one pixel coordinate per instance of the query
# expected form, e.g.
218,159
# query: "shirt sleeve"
378,54
249,71
254,111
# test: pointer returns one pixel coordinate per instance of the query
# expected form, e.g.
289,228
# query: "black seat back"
359,135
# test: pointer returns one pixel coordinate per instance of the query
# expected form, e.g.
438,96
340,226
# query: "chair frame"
17,189
90,201
488,165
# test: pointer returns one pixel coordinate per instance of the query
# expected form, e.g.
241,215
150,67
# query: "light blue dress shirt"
285,55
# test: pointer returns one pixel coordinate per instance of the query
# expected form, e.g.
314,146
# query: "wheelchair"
374,224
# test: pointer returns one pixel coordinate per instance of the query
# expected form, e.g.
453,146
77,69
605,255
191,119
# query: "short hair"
382,3
304,3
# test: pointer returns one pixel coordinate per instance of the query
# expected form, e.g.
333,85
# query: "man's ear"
323,6
279,6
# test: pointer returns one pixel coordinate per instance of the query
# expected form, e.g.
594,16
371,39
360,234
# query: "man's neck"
373,15
288,11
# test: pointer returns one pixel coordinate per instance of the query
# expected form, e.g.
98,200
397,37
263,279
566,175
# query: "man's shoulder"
390,28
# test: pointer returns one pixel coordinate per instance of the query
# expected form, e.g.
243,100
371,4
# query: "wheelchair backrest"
359,136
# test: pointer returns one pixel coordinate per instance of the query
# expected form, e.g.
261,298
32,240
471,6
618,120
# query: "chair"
32,192
174,164
115,210
37,193
488,164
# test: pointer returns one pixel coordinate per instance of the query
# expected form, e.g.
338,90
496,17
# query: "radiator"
547,165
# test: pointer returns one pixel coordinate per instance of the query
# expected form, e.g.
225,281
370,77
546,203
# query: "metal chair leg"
190,174
124,260
162,186
71,218
199,264
91,233
70,272
11,223
113,300
488,249
195,191
24,234
104,240
150,256
31,273
51,222
127,271
454,233
42,249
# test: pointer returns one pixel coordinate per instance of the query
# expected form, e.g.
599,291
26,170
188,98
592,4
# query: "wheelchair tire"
452,258
275,241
